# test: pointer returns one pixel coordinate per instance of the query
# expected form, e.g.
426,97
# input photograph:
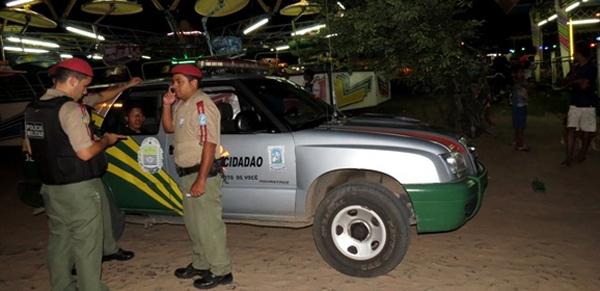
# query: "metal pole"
2,37
597,65
331,92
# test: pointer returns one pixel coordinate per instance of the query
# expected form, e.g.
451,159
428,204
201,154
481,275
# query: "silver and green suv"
292,160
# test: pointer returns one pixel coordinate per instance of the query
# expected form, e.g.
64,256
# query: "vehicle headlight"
456,163
470,148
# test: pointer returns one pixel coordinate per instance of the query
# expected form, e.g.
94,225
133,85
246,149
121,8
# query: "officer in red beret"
195,120
111,250
70,161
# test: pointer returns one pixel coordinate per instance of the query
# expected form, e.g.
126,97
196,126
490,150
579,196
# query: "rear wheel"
362,229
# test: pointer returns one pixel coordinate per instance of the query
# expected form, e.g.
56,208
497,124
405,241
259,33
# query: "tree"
427,36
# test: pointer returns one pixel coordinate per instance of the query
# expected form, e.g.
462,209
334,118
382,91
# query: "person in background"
519,106
528,69
583,102
195,122
309,83
70,162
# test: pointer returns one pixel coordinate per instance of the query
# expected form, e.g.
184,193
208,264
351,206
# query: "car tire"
362,229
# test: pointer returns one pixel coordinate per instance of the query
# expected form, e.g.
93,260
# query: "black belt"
194,169
186,171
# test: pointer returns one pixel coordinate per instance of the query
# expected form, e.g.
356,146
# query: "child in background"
519,106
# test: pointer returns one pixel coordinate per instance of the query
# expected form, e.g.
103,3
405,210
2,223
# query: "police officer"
70,161
195,120
111,250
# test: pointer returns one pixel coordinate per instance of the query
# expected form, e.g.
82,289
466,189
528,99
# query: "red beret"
73,64
190,70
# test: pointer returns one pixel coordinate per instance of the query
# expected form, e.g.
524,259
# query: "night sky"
497,28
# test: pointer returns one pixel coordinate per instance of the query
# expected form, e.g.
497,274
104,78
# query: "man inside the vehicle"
135,120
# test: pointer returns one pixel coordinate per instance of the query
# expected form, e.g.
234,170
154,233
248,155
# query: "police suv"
293,160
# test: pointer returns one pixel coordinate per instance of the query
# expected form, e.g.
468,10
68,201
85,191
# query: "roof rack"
209,65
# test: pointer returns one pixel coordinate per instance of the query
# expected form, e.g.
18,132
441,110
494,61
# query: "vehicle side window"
288,103
235,111
135,113
229,107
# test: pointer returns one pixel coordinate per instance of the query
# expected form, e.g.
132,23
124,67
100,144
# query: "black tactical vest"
54,156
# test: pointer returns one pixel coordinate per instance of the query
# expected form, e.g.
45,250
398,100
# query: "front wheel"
362,229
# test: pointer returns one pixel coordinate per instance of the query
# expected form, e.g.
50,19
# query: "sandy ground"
520,240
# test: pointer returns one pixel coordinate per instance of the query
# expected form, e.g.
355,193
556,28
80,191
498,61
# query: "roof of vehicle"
166,80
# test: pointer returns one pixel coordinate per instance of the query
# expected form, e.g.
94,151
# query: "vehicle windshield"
290,103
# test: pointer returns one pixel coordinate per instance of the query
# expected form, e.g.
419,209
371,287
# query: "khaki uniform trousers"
75,222
109,244
204,223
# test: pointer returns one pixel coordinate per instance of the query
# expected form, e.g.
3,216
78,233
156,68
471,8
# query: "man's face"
79,86
135,119
184,88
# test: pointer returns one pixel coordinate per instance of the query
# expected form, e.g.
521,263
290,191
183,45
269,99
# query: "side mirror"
247,121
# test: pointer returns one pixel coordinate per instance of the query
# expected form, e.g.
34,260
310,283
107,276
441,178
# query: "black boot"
120,255
189,272
212,280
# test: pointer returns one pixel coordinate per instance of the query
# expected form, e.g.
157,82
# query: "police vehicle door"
260,169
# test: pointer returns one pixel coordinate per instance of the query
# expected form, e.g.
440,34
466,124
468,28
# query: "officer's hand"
197,188
112,138
134,82
169,97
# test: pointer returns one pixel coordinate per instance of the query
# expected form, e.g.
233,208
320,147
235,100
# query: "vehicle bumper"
447,206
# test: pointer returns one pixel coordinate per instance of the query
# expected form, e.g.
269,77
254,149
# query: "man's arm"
112,92
26,146
208,158
98,146
209,132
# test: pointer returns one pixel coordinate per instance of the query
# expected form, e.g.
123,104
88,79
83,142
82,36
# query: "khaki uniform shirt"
74,120
196,121
91,99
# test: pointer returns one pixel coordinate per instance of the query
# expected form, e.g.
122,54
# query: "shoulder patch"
202,119
85,117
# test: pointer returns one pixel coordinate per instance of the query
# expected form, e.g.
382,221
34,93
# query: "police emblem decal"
150,155
276,157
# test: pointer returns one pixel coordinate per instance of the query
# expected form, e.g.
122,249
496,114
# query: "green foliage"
424,36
